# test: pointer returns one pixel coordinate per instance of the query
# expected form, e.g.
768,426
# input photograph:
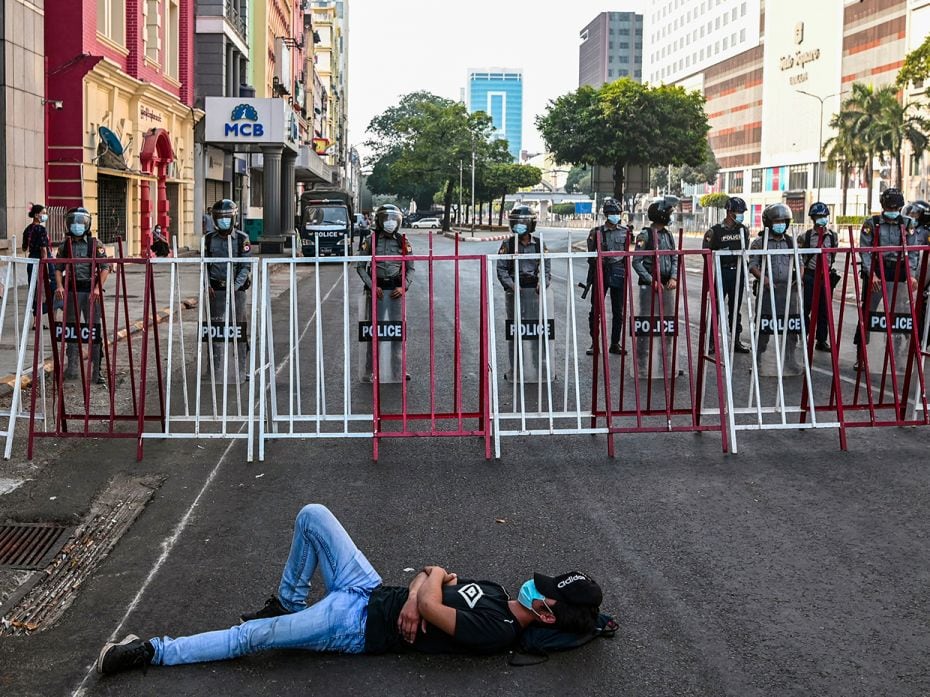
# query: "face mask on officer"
390,226
224,223
43,218
78,229
614,218
519,228
738,217
892,215
822,222
779,228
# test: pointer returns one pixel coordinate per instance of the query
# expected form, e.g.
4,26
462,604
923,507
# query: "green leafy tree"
916,66
508,178
626,123
705,173
903,125
715,200
578,179
843,152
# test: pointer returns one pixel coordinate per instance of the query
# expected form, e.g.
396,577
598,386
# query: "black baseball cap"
574,588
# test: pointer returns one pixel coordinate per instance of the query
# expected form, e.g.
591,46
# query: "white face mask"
390,226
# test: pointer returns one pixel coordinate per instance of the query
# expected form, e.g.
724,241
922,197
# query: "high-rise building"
331,25
611,48
499,93
772,75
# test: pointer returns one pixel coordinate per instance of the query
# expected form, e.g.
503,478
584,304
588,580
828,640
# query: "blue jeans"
335,623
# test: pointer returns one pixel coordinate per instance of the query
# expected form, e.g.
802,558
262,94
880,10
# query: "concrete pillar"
271,217
288,187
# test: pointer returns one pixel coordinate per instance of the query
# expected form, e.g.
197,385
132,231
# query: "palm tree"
843,152
861,119
903,126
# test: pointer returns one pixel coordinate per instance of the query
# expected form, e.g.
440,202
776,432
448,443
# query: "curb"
462,238
8,382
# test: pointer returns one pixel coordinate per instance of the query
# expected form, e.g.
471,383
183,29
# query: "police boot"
71,369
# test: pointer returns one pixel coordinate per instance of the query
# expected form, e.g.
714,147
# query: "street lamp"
820,137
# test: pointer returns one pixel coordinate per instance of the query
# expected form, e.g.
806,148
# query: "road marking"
169,543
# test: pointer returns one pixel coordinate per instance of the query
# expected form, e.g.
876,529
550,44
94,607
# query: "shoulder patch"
246,247
503,249
709,235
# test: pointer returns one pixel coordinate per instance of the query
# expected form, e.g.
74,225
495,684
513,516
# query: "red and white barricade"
211,341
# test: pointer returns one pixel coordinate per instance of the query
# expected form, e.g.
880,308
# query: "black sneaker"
617,350
590,350
741,347
129,653
272,608
822,346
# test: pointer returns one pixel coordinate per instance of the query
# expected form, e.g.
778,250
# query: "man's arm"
429,601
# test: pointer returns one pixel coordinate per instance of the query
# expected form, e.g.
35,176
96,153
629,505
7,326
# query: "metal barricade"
665,377
542,388
98,386
300,356
209,390
889,312
16,310
446,394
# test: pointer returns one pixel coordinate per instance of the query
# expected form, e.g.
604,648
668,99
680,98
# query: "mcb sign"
247,121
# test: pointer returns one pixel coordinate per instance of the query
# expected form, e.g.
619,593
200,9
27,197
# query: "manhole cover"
29,545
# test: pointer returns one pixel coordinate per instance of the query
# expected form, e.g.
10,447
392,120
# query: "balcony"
236,18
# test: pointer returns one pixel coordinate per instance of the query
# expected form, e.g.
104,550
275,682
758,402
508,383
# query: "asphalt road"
790,569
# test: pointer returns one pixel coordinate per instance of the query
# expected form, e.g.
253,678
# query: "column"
288,186
271,216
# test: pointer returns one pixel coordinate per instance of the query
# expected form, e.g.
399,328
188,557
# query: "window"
623,32
623,59
756,181
735,182
623,72
610,73
797,177
111,20
152,14
171,38
111,208
914,165
610,59
624,44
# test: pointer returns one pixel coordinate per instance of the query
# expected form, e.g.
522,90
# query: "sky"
401,46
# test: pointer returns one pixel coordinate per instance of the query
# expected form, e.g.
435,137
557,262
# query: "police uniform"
779,271
77,277
818,238
390,275
614,238
236,245
660,239
522,275
655,304
732,238
879,232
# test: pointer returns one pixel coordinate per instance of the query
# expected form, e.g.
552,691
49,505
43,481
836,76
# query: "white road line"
169,543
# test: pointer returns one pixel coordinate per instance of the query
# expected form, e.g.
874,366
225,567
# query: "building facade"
23,106
499,93
773,74
611,48
331,34
122,142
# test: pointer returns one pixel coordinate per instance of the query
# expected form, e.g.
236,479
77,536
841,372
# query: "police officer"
393,277
614,237
523,274
819,236
882,231
775,221
920,212
657,236
83,286
227,241
731,235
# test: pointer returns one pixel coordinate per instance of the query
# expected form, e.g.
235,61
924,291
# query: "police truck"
326,222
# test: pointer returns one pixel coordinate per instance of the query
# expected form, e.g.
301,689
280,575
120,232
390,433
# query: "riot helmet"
818,209
388,218
522,220
611,206
920,211
891,199
78,221
224,213
776,218
661,211
735,204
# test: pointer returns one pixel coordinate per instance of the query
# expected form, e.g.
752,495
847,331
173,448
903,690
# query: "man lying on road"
437,613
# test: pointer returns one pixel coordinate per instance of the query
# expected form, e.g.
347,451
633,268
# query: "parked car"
426,223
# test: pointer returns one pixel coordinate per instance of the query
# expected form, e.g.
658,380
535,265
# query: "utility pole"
459,212
473,191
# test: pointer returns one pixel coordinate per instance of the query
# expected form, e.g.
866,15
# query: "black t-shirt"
483,621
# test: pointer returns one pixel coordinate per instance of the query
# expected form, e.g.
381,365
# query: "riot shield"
526,340
894,309
777,325
391,329
655,327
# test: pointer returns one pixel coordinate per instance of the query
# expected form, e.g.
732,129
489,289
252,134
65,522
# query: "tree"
715,200
626,123
705,173
916,66
843,152
578,180
420,143
508,178
903,125
860,119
